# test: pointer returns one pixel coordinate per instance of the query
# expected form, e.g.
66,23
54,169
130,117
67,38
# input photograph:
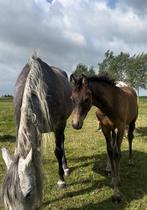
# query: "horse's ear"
84,80
24,163
6,157
73,80
28,159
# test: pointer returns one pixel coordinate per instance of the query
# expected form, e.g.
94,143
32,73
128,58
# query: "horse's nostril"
76,125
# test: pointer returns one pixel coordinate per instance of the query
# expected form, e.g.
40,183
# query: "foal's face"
82,100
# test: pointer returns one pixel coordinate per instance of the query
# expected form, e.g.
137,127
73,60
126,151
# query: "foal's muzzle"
77,125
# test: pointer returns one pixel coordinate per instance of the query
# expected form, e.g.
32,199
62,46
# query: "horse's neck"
103,98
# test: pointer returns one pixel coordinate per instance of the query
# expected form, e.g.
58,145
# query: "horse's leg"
117,156
59,136
110,162
64,161
130,139
108,166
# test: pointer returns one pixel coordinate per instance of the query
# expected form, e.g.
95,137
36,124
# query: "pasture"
87,186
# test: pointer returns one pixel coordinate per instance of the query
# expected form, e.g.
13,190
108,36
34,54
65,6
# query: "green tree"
130,69
91,71
137,73
115,66
104,66
83,69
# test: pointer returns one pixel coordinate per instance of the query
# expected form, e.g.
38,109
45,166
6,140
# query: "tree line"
122,67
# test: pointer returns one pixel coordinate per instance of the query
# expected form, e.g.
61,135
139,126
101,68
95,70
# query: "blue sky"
68,32
112,3
50,1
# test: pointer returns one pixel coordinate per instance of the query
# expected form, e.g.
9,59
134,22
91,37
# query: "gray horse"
42,104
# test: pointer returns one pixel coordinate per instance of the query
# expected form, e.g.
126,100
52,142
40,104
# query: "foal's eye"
86,100
73,101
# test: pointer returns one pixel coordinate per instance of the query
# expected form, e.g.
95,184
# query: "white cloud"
67,33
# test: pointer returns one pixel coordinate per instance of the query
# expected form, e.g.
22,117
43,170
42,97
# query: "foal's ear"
73,80
6,157
84,80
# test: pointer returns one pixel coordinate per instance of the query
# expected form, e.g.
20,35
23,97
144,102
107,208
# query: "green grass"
87,186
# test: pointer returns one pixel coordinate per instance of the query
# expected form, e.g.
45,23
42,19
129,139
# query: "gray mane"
8,186
42,104
29,136
34,86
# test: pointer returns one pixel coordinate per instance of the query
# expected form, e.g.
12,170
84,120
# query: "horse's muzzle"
77,125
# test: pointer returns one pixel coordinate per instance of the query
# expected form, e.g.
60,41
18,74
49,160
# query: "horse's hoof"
115,182
116,198
107,173
131,163
67,171
61,184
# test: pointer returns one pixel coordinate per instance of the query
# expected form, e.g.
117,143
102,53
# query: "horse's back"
58,92
60,71
57,88
130,100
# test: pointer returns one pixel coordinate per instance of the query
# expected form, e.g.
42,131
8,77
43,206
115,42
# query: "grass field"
87,186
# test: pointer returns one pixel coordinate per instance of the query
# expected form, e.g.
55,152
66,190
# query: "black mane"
104,78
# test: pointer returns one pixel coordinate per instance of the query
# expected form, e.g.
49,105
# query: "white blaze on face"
76,116
24,173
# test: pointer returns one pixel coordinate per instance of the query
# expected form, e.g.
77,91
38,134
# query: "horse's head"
18,188
82,100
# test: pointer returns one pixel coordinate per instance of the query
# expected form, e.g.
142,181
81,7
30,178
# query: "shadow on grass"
95,186
142,131
5,138
133,182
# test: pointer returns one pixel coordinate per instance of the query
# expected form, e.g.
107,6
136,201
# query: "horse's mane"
29,135
103,78
34,85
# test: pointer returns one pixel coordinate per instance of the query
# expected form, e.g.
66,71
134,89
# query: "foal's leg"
130,139
117,156
110,161
108,166
59,140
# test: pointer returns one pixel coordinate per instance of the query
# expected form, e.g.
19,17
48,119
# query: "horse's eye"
73,100
28,195
86,100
